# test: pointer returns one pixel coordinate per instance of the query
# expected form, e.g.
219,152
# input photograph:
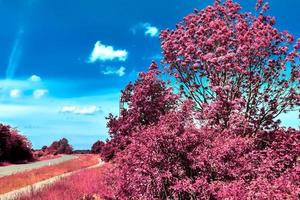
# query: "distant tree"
82,151
109,150
64,147
61,146
44,148
97,147
52,149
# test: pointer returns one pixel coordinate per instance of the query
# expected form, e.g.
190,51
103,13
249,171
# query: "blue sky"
63,62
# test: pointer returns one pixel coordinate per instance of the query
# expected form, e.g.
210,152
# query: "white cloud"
114,71
35,78
152,31
31,87
39,93
103,52
27,112
149,30
15,93
88,110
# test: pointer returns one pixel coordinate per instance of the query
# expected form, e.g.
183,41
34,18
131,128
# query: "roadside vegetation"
86,185
61,146
14,148
22,179
218,136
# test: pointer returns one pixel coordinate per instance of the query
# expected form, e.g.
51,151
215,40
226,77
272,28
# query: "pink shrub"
176,160
143,103
14,147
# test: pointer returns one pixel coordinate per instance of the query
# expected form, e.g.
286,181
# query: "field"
85,184
19,180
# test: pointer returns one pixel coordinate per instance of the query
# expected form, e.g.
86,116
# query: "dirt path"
8,170
39,185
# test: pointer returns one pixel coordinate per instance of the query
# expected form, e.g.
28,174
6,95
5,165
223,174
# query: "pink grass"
19,180
82,184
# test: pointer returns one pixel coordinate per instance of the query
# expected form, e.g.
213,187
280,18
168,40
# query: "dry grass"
22,179
87,184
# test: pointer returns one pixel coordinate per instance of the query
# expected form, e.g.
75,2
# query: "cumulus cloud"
148,29
15,93
34,78
103,52
87,110
114,71
39,93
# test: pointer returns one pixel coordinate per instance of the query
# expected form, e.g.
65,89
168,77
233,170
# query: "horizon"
63,63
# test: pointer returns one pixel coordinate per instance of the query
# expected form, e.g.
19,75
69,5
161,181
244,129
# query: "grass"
87,184
22,179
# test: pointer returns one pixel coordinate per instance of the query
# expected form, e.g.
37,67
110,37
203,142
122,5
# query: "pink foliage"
61,146
221,140
220,55
85,185
144,102
14,147
97,147
176,160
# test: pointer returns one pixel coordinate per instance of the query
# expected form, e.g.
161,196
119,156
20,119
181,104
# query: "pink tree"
223,57
177,160
144,102
61,146
14,147
239,73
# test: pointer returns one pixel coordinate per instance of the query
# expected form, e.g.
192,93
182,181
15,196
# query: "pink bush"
222,141
14,147
176,160
143,103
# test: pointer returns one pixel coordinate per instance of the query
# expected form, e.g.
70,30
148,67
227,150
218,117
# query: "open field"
22,179
86,183
12,169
